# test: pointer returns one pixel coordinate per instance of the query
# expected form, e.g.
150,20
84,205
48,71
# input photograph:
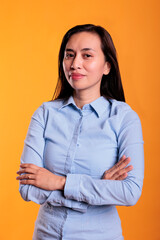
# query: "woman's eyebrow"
88,49
69,50
84,49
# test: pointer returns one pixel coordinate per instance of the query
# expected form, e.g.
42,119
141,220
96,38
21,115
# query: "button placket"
72,149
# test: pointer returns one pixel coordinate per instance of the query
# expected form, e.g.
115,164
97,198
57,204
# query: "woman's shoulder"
122,110
45,107
53,104
119,105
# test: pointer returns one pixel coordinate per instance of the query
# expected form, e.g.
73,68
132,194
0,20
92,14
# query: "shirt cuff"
57,198
72,187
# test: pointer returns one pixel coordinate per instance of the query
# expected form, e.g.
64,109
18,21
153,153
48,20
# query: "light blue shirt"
82,144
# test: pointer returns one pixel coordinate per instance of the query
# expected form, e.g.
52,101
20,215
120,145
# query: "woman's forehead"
84,40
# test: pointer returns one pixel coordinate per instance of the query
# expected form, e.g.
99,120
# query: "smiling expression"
84,62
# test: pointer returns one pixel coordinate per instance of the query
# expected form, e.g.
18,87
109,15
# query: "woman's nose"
76,63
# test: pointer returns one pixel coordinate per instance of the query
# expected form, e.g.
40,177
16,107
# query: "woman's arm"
118,172
31,174
33,154
110,192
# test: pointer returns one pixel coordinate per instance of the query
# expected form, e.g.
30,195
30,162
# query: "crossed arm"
42,178
120,185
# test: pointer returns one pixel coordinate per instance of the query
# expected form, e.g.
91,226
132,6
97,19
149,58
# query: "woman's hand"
40,177
119,170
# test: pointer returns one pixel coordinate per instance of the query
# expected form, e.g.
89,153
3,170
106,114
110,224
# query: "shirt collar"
69,101
100,105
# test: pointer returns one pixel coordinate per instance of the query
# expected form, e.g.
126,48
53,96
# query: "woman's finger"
117,164
26,170
120,165
28,165
108,173
26,181
121,172
26,176
122,177
121,160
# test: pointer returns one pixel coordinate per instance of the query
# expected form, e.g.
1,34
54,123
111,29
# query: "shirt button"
78,144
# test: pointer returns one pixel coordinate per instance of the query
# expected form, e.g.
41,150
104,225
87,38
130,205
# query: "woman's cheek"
66,68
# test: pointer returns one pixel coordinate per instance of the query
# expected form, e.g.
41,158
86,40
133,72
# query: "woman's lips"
76,76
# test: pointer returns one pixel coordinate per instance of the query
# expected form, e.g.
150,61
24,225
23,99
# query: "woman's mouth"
76,76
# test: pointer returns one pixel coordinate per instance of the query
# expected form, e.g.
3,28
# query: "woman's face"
84,62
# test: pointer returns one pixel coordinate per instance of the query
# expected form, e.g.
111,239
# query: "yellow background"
30,36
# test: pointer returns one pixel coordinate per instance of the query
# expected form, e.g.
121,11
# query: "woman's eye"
87,55
69,55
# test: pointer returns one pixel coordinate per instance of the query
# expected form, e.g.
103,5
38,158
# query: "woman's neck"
82,99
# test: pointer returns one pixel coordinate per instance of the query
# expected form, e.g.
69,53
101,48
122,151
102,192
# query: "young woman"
83,152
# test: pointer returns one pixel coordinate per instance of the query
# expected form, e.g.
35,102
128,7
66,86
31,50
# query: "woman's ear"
107,68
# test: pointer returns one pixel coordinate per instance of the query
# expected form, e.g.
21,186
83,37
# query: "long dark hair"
111,85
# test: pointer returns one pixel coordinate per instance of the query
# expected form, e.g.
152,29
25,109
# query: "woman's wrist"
62,183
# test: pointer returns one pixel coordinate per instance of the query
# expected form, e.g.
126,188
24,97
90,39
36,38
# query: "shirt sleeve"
114,192
33,153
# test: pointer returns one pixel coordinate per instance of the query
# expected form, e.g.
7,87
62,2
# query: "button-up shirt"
82,144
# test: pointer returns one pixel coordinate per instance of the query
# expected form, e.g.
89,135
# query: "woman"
77,148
